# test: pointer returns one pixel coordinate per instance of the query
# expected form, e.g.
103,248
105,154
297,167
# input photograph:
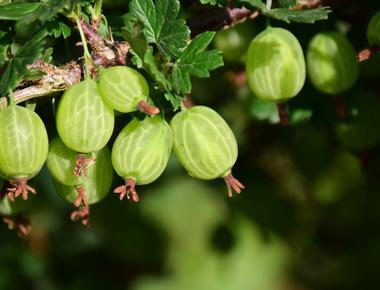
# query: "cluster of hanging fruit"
79,160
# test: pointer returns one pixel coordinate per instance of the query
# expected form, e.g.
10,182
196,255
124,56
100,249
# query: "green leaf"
5,42
214,2
256,3
47,10
302,16
133,33
16,11
174,99
156,74
287,3
160,24
194,60
58,28
17,67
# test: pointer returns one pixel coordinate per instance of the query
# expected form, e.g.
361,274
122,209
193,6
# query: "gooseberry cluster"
78,159
276,68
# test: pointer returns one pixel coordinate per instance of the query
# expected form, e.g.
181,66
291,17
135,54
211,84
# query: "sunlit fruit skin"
234,41
275,65
373,30
61,162
204,143
142,149
331,63
84,122
122,88
24,143
97,184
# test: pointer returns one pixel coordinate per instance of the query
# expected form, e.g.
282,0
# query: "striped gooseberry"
275,65
140,153
61,163
205,145
373,30
23,150
84,122
125,90
331,63
83,191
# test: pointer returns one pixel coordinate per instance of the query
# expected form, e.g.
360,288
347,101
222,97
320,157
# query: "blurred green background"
309,217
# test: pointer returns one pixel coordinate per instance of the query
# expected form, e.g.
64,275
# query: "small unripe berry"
23,148
84,122
141,152
275,65
205,145
123,88
331,63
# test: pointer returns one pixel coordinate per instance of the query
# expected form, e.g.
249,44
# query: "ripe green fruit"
205,145
84,122
275,65
373,30
97,184
83,191
24,148
331,63
61,163
234,41
359,132
123,88
140,153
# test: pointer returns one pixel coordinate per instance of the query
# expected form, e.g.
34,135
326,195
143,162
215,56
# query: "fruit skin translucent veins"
275,66
24,143
122,88
331,63
141,152
204,143
84,122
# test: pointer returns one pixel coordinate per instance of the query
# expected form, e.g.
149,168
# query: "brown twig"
217,18
104,53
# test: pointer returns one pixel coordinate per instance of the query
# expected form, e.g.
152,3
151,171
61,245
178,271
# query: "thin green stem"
11,99
86,54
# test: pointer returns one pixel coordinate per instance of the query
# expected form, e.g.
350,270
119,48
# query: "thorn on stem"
128,190
233,184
